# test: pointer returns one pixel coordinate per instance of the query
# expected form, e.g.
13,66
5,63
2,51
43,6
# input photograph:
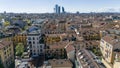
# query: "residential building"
20,38
85,59
56,50
70,52
107,46
34,43
117,59
6,53
59,63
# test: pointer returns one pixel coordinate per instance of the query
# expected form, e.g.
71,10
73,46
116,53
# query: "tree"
19,49
6,23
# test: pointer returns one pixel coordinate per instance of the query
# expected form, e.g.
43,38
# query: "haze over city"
46,6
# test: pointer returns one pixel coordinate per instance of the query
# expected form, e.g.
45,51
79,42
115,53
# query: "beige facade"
116,65
6,53
107,46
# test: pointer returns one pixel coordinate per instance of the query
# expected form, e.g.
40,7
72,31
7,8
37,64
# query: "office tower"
63,10
57,9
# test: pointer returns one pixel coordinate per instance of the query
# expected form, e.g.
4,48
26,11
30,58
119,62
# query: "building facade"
6,53
108,45
34,43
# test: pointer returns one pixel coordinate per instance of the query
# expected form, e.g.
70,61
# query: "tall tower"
58,9
63,10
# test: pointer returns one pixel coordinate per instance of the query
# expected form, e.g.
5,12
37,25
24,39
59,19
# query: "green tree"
19,49
6,23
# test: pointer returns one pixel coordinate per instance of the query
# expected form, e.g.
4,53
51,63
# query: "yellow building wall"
107,64
116,65
110,58
9,53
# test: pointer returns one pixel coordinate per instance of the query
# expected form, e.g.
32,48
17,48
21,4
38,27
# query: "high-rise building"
63,10
57,9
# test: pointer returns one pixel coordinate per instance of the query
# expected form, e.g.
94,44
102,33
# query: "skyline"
47,6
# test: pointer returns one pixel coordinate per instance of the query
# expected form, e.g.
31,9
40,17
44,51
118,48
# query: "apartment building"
108,45
20,38
58,63
6,53
70,52
85,59
34,42
56,50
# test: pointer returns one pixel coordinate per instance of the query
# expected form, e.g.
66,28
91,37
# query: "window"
10,49
30,46
107,45
37,38
29,42
4,48
34,53
41,50
33,42
37,46
5,52
102,41
9,45
34,50
33,46
33,38
29,38
40,46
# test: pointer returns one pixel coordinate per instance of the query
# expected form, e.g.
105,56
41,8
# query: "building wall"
7,55
107,64
20,38
55,53
107,51
71,55
116,65
62,67
79,63
36,47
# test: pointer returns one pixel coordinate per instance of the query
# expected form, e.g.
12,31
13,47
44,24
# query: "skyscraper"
63,10
57,9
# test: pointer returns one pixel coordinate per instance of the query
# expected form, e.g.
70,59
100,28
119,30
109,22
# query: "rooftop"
60,63
113,40
59,45
69,48
86,59
4,43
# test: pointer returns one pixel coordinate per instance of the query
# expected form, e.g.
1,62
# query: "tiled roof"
69,48
60,63
4,43
86,59
111,40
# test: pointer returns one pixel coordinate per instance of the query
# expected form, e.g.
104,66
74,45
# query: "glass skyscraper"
57,9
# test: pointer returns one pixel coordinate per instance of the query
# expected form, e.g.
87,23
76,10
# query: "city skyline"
46,6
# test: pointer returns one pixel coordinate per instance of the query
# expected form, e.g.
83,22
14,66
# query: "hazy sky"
43,6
